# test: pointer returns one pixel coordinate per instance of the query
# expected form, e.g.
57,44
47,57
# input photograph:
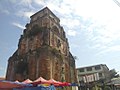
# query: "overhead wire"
118,3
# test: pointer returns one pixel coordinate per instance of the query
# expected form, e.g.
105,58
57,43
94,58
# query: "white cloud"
103,30
39,2
114,48
103,15
25,14
71,33
18,25
70,22
26,8
60,7
26,3
28,14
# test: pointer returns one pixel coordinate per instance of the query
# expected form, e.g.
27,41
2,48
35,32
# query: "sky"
91,26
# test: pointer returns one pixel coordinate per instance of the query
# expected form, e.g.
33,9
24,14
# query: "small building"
92,75
115,83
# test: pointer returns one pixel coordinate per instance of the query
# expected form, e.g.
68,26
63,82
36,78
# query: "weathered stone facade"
43,50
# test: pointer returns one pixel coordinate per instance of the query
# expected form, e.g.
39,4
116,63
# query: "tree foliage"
113,73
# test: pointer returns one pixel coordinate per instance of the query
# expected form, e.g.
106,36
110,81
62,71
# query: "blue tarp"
37,88
74,84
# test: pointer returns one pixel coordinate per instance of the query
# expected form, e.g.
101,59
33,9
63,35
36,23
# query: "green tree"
113,73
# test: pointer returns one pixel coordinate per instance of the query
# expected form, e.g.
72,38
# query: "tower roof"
43,10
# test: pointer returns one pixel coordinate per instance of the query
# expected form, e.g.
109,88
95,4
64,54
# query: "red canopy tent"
8,85
54,82
17,81
57,83
40,80
27,81
65,84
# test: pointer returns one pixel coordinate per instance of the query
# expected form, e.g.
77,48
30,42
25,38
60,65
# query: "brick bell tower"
43,50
